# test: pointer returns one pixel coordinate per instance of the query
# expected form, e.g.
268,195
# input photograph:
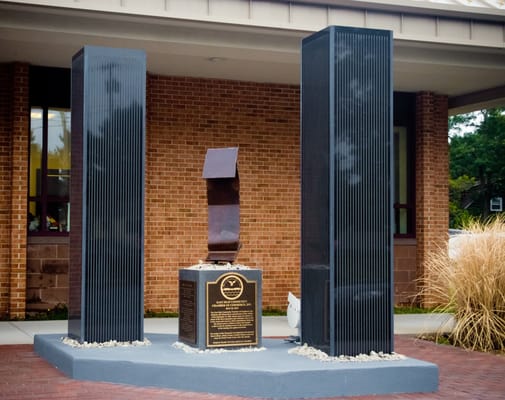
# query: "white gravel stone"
193,350
316,354
112,343
217,267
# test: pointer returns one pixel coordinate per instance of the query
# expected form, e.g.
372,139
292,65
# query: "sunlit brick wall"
185,117
14,122
19,187
5,176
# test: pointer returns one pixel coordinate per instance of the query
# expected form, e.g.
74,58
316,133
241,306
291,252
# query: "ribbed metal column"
107,195
347,191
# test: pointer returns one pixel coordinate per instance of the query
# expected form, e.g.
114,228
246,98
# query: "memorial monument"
220,303
345,254
346,147
106,300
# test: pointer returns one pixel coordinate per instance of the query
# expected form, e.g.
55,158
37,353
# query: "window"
403,205
49,171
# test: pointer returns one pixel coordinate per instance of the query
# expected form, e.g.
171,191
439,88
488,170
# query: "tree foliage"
459,216
458,124
477,165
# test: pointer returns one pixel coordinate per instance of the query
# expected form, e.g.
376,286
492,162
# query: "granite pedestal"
220,308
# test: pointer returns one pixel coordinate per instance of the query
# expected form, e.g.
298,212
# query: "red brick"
185,117
432,177
261,119
464,375
14,122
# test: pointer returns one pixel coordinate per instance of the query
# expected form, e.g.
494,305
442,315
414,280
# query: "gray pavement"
23,332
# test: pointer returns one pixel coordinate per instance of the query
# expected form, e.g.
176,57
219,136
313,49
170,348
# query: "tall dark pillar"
347,197
106,299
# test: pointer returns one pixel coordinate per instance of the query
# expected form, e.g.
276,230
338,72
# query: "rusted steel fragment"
223,198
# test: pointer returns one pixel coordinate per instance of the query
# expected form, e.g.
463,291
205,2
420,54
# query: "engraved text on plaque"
231,312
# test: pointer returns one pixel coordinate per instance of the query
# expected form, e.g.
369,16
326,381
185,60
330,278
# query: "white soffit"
454,8
447,46
465,22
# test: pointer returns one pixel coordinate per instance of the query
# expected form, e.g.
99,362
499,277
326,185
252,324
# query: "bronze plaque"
187,311
231,312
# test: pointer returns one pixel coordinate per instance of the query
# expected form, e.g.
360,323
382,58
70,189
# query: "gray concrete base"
270,373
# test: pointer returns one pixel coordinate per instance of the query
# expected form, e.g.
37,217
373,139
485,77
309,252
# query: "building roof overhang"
474,9
445,48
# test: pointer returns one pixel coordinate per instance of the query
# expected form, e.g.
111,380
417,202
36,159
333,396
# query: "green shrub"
472,285
58,312
160,314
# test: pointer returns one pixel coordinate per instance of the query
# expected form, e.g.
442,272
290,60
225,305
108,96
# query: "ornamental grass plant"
471,285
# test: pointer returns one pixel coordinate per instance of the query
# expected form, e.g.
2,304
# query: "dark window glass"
49,176
403,206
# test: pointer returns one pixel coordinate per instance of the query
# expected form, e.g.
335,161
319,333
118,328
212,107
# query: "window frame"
404,115
50,88
44,198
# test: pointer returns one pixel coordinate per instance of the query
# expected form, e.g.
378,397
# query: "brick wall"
405,274
19,188
185,117
46,273
14,123
432,177
5,178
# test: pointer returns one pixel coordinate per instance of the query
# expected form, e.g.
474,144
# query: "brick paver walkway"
463,375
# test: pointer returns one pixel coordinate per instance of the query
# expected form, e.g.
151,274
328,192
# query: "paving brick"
464,375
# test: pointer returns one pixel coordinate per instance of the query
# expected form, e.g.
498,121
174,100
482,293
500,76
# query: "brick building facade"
226,73
185,116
